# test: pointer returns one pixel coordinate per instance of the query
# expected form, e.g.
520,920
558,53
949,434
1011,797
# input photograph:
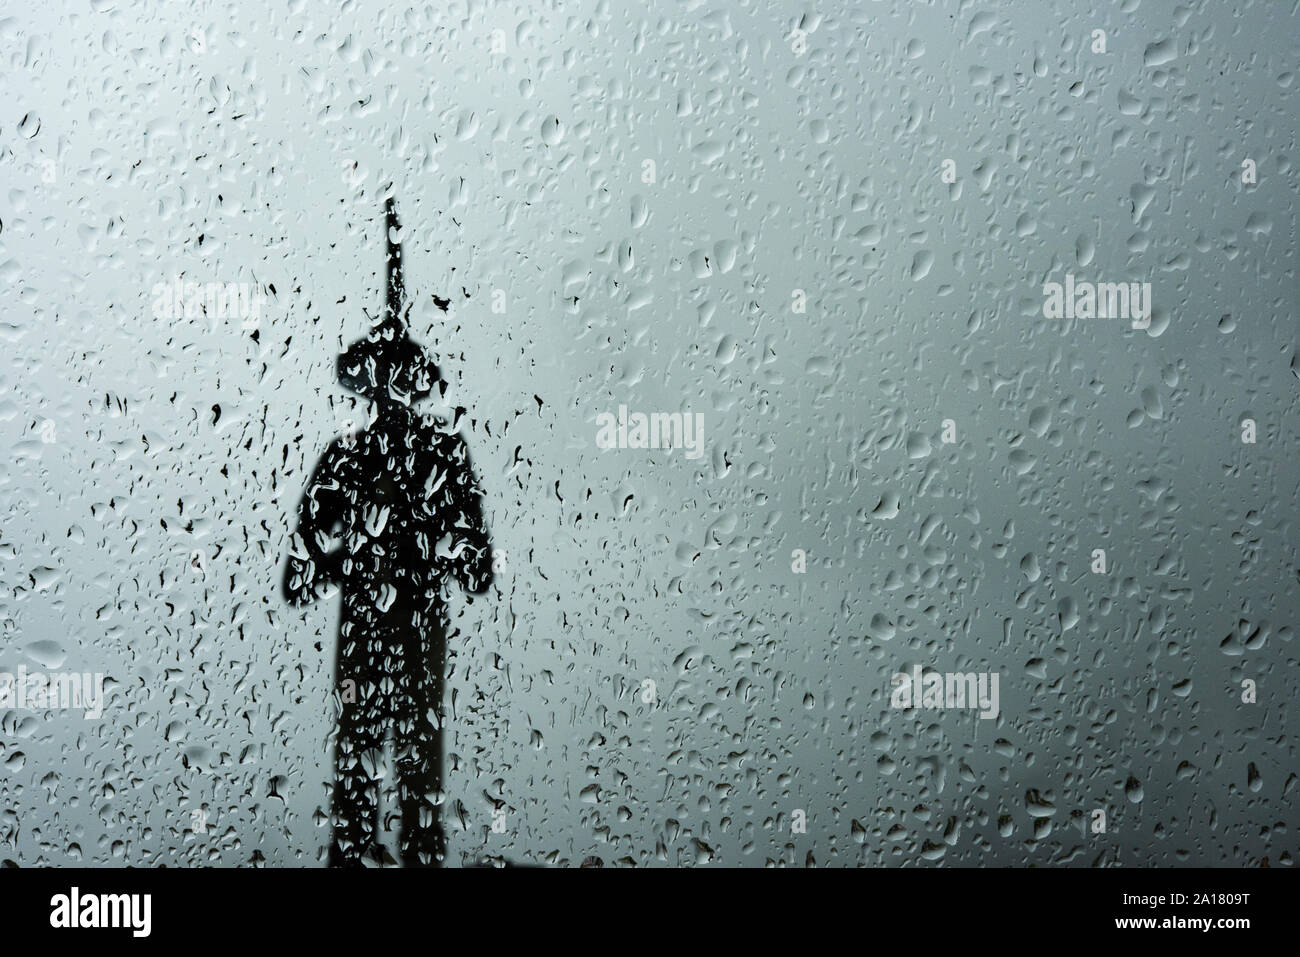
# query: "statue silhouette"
389,514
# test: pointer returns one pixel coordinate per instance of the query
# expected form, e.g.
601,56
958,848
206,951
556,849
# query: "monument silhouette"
391,514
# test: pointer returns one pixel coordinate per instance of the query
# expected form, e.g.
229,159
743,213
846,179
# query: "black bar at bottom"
335,907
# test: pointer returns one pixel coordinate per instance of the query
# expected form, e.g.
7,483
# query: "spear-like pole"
396,292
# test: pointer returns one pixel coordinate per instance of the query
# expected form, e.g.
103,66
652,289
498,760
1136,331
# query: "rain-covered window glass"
657,434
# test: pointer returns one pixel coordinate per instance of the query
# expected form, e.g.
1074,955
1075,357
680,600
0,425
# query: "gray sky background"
241,142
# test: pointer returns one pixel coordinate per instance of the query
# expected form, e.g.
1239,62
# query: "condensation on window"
656,434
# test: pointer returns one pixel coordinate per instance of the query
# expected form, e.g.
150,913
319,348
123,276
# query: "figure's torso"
397,495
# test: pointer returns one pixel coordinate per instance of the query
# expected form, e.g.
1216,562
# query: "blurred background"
824,227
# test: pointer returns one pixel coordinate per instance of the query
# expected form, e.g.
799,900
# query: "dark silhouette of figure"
399,504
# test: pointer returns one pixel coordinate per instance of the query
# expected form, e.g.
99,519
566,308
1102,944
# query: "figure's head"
387,366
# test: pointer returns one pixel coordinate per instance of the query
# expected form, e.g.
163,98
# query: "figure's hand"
469,563
310,572
474,570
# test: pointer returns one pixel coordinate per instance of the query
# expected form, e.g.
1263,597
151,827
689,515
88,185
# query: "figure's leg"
357,752
418,742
